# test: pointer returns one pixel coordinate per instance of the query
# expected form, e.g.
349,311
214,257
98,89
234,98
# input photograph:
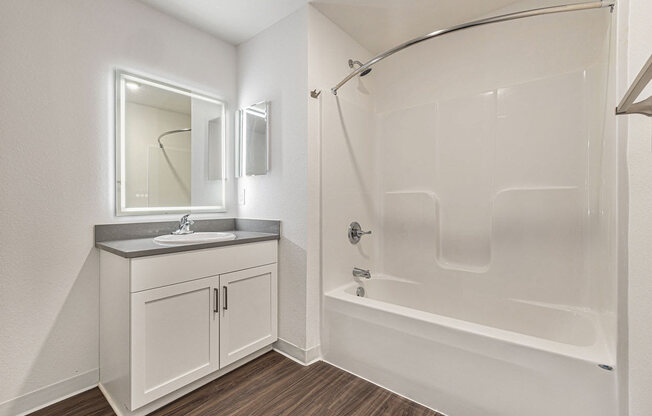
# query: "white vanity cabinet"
248,312
171,321
174,337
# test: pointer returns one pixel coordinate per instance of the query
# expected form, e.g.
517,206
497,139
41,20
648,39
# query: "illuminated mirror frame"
241,146
121,79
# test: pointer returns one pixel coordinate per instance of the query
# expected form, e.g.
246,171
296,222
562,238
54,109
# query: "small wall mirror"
170,148
253,140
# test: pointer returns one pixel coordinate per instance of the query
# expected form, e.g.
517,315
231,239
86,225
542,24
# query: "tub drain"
360,291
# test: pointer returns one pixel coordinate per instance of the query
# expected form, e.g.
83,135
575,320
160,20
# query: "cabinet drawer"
167,269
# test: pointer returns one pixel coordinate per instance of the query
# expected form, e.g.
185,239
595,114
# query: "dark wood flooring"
270,385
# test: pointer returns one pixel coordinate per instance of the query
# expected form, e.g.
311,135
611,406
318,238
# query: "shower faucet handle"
355,232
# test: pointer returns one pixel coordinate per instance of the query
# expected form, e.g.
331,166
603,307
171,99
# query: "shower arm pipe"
480,22
171,132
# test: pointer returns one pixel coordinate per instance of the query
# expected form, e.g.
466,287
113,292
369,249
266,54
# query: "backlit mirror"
170,148
253,140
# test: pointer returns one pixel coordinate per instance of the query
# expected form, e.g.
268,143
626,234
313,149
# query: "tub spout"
358,272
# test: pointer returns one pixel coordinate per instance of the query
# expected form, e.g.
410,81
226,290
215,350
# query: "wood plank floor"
270,385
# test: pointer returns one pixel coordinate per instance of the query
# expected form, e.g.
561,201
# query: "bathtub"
499,358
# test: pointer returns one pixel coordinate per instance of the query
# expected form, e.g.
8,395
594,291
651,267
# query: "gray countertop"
140,247
137,239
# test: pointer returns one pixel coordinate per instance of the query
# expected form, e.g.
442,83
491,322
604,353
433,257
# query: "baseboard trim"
45,396
109,398
298,354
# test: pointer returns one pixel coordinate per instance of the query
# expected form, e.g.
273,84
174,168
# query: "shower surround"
484,165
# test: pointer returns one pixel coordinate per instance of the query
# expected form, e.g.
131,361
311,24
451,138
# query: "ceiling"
376,24
379,25
234,21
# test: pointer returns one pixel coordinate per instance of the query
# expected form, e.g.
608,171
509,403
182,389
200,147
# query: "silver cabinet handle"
216,307
226,298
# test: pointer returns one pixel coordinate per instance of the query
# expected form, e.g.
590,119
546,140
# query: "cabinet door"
174,337
248,312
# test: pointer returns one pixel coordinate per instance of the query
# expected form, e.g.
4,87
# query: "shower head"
352,64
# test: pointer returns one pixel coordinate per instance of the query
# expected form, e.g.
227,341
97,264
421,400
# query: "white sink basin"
194,238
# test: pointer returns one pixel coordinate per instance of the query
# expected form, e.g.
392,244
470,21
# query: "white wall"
640,217
56,165
273,67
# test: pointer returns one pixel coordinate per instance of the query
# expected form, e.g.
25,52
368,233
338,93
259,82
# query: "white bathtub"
534,359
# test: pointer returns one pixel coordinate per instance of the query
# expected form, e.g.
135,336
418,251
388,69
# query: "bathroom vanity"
174,317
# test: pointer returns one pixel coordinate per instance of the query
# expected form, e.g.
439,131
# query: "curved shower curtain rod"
171,132
480,22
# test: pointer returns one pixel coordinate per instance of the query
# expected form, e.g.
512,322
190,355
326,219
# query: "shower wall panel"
491,178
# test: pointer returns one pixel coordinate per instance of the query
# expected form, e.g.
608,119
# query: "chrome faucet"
358,272
184,225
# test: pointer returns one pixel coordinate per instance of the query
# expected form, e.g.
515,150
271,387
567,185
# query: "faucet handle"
355,232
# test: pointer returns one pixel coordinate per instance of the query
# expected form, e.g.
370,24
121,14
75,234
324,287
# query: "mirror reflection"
254,140
171,146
